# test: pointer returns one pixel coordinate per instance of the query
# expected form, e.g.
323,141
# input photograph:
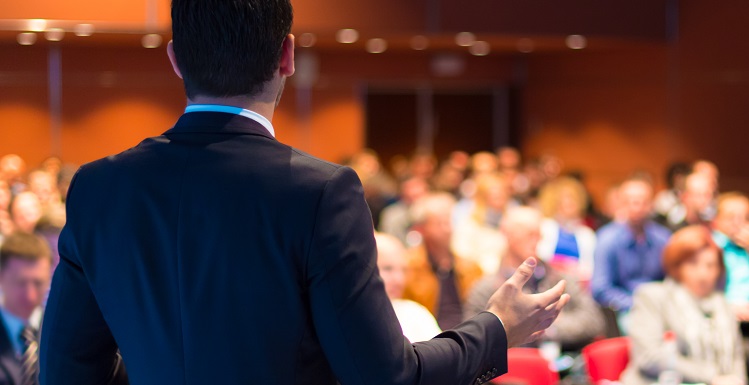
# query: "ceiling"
505,25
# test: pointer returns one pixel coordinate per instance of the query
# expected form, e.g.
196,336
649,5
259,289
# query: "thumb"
523,273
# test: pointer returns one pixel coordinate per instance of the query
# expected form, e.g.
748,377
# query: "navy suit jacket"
213,254
10,364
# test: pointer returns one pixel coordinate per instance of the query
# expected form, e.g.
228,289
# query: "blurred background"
606,87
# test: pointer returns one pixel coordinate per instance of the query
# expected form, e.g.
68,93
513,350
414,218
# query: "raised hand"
526,316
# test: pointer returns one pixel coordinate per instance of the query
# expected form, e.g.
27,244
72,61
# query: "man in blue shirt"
628,253
25,270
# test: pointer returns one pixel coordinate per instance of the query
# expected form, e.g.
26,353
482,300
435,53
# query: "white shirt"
417,323
233,110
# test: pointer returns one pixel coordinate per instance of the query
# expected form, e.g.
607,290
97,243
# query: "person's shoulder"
660,231
309,168
652,290
610,232
108,165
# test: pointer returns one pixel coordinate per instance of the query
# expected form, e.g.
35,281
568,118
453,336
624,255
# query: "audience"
433,253
25,271
731,233
566,242
689,305
628,253
417,322
579,323
438,279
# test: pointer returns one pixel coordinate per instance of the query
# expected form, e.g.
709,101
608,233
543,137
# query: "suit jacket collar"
218,123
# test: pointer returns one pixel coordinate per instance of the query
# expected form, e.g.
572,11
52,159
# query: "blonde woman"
566,242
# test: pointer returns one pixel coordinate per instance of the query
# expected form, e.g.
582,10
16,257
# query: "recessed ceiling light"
465,39
377,45
576,41
26,38
307,40
419,42
347,36
152,40
83,29
37,25
480,48
54,34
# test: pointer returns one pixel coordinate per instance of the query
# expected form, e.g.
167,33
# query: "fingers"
523,273
552,295
535,336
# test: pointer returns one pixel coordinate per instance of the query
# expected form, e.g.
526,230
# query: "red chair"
527,367
607,359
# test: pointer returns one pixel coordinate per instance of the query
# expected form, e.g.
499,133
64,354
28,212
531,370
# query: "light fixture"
37,25
347,36
419,42
480,48
525,45
26,38
307,40
83,29
152,40
465,39
576,41
54,34
377,45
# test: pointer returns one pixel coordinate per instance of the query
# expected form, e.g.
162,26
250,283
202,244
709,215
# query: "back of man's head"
226,48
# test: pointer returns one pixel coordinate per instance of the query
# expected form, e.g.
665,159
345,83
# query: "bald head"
698,193
522,228
391,261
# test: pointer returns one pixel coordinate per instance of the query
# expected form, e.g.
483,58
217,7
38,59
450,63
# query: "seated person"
628,253
579,323
688,304
731,233
25,272
566,242
417,322
437,278
695,204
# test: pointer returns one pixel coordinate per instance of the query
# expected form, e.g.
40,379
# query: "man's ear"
286,67
172,58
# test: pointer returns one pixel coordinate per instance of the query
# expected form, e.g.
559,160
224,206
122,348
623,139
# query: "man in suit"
25,269
214,254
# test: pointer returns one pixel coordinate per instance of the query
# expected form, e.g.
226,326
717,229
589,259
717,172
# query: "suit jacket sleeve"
355,321
76,344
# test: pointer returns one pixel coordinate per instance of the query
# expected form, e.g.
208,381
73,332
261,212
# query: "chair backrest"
607,359
526,366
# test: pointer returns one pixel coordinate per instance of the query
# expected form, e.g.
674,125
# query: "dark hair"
674,170
28,247
229,48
